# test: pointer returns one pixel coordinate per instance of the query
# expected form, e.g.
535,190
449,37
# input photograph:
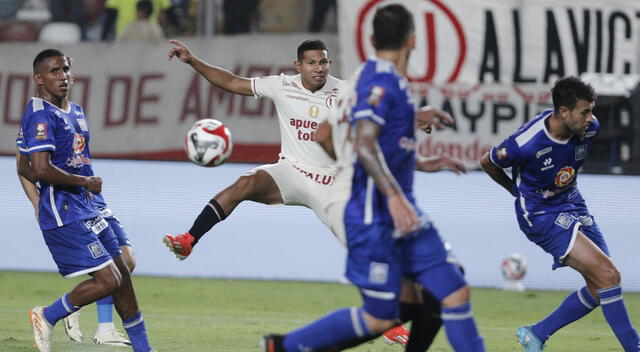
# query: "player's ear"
38,79
298,65
372,40
563,111
411,41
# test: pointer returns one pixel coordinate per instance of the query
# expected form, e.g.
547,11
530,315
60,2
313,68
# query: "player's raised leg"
258,186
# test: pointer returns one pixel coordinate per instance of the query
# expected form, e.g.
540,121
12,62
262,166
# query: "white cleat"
41,329
72,327
111,337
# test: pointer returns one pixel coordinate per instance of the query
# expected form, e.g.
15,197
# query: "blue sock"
575,306
105,310
341,325
616,314
461,328
59,309
137,332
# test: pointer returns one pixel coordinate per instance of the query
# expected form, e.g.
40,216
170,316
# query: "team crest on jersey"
41,130
542,152
378,273
376,95
96,250
83,124
331,101
78,143
502,153
565,176
581,152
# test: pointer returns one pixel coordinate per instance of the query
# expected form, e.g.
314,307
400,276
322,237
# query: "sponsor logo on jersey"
323,179
590,134
502,153
78,113
586,220
565,176
564,220
548,164
542,152
83,124
41,130
302,125
289,84
581,152
376,95
406,143
296,97
96,250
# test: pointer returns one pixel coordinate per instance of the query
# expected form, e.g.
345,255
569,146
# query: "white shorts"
302,184
338,198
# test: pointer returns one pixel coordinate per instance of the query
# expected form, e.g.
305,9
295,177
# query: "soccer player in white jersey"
544,156
304,172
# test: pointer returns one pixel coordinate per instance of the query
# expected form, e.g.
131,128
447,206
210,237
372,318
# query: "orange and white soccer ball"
514,267
208,143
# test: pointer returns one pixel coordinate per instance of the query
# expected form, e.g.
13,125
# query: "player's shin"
341,326
137,331
575,306
59,309
425,322
210,215
462,332
615,312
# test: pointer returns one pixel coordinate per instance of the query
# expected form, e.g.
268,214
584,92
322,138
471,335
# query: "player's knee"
457,297
244,186
609,275
376,325
111,282
129,258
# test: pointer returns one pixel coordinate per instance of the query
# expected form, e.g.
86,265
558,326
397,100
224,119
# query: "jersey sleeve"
265,86
593,129
375,99
21,144
506,154
38,132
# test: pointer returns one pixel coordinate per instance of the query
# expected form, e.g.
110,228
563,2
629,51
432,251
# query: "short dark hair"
310,44
568,90
146,7
44,54
392,25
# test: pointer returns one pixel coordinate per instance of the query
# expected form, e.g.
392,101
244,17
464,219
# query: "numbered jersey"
300,111
544,169
65,134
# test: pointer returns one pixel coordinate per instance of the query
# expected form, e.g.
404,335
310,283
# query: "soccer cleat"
528,340
41,329
180,245
272,343
397,335
72,327
111,337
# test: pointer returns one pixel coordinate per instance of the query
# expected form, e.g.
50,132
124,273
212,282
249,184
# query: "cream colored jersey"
300,112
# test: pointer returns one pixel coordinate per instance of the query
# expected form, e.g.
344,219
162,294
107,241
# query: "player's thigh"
374,265
128,254
588,259
82,247
264,183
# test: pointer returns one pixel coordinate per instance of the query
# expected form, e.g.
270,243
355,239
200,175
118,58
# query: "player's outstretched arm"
323,137
27,180
44,170
218,76
405,218
441,162
497,174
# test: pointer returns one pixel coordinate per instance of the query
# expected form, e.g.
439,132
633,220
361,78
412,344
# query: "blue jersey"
383,97
544,169
45,127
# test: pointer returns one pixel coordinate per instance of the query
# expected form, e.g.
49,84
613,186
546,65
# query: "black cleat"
272,343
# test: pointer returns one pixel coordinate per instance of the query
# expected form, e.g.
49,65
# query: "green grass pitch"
231,315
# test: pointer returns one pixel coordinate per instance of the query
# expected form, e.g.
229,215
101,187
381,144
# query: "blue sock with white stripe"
105,310
59,309
341,325
578,304
137,331
616,314
461,328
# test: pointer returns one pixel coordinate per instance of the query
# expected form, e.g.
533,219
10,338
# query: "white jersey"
300,112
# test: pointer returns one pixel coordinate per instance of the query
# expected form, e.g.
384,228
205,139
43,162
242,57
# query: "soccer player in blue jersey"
388,237
106,333
544,156
54,135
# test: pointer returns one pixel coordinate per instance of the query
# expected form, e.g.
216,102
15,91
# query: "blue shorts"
82,247
556,232
116,226
377,262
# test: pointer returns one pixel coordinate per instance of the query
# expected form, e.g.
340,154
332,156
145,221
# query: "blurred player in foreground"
545,155
53,141
388,237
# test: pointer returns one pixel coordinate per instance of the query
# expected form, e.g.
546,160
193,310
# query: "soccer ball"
514,267
208,143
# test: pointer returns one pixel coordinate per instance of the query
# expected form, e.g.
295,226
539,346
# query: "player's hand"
93,184
442,162
427,117
405,218
180,51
